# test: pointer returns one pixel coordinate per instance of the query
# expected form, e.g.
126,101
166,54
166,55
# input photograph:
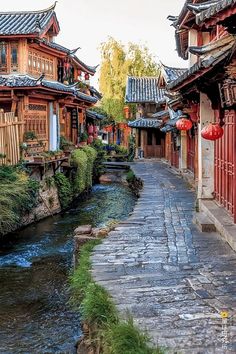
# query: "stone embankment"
176,281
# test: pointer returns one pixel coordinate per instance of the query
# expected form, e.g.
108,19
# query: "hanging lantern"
90,129
184,124
126,112
212,131
108,129
122,126
90,139
86,76
95,129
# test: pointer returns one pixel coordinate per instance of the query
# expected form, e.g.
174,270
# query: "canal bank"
35,264
172,279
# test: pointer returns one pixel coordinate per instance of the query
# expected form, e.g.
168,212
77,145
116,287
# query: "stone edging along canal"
157,266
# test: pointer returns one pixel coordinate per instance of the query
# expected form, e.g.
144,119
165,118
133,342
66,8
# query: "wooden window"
14,57
39,63
36,120
3,57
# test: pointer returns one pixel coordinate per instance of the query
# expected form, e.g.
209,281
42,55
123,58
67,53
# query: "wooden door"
225,165
68,130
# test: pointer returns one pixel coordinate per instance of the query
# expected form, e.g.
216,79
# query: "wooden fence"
11,134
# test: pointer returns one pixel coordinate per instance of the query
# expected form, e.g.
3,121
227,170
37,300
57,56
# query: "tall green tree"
118,62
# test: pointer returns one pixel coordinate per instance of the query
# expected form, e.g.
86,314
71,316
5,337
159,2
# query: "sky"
87,23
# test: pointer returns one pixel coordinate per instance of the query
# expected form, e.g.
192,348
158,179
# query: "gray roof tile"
143,90
212,54
171,74
17,81
214,9
145,123
25,22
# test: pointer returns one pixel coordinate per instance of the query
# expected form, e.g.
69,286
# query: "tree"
117,63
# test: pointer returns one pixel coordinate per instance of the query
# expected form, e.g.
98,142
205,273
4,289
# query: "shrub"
64,189
130,176
91,156
18,195
98,168
83,159
79,160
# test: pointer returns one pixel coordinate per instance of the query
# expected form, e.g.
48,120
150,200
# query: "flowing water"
34,266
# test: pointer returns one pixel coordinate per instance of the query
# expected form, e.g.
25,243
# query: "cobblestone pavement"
173,279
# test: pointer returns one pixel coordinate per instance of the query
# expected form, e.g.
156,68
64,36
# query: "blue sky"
87,23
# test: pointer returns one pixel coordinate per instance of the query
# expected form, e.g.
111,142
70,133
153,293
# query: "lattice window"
36,120
3,57
14,57
39,63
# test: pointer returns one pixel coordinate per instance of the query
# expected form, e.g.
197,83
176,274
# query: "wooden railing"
11,135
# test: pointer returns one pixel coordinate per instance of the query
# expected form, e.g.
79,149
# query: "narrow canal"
34,266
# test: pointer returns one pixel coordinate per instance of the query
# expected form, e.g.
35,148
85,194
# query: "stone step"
204,223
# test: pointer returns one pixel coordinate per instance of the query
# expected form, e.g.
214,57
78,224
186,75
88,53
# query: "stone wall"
48,204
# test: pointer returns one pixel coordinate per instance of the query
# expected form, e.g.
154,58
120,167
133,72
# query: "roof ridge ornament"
40,79
73,51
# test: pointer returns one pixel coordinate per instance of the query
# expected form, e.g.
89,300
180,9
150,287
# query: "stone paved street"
173,279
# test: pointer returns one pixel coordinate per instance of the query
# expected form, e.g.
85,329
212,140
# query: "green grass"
130,176
98,311
125,338
18,196
81,278
97,308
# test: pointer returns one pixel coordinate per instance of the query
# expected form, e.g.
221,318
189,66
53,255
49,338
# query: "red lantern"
95,129
90,139
122,126
90,129
184,124
126,112
212,131
86,76
108,129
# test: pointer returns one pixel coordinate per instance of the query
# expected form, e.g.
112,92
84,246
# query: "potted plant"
83,138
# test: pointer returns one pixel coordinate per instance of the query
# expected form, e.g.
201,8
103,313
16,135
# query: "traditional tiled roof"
196,7
170,124
90,69
161,114
94,115
18,81
26,22
145,123
215,8
210,55
171,74
143,90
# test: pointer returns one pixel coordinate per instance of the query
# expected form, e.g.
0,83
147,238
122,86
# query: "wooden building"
151,102
43,83
205,36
